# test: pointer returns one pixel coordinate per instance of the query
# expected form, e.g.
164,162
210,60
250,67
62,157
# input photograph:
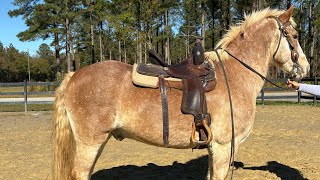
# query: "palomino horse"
100,101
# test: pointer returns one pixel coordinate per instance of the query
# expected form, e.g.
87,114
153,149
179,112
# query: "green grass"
288,103
21,89
20,107
11,89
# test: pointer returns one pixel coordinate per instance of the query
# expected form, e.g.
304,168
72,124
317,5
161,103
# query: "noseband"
292,44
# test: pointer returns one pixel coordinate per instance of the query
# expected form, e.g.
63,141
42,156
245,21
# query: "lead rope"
231,160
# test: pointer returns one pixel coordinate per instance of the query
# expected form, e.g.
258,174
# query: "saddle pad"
147,81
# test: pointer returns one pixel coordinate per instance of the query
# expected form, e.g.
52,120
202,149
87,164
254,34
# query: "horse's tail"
63,139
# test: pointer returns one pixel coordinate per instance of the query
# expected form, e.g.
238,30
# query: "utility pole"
190,31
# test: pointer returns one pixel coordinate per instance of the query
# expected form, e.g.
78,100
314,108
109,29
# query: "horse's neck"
255,48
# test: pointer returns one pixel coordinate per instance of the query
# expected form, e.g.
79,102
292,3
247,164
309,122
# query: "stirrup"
194,140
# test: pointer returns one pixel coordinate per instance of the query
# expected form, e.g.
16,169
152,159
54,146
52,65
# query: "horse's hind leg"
86,157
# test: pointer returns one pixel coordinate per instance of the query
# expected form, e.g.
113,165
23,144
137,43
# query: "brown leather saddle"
198,77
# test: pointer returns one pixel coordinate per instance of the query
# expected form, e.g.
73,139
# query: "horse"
100,101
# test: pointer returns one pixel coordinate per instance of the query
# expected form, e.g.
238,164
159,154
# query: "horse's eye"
295,36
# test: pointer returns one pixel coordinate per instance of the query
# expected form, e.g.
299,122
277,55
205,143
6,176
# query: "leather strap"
232,149
165,113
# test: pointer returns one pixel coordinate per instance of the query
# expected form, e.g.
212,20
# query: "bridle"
292,44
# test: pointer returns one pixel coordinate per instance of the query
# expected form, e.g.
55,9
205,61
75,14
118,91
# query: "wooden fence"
25,92
299,95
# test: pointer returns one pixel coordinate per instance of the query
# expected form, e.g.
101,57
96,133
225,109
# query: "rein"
231,160
254,71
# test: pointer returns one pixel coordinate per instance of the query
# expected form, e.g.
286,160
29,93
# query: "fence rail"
25,92
299,95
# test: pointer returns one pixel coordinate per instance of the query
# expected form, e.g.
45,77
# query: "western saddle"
197,77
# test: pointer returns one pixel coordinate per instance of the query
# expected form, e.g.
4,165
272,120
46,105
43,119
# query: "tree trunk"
203,25
77,58
92,38
212,28
73,63
311,41
125,52
258,5
157,34
228,17
145,47
119,50
187,43
100,42
288,4
68,33
166,45
138,25
162,39
139,48
57,53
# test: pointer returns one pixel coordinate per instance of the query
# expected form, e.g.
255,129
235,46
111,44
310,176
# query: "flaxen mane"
240,27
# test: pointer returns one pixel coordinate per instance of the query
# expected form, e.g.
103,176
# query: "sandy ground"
284,144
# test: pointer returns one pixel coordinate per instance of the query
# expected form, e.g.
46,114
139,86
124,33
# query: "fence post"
262,96
299,93
315,97
25,96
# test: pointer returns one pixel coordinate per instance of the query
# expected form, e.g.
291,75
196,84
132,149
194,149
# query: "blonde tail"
63,140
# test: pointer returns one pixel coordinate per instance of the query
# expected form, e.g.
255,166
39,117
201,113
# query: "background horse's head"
288,54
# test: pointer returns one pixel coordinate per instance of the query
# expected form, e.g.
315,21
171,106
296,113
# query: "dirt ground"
284,144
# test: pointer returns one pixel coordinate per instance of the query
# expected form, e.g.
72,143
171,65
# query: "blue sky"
10,27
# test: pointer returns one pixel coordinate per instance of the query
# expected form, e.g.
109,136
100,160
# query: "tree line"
89,31
15,66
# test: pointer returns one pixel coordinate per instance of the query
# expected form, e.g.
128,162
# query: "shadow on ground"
282,171
194,169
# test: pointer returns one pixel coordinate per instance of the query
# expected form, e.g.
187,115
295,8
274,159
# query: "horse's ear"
285,17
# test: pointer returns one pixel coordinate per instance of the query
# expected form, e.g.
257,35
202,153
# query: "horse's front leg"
219,156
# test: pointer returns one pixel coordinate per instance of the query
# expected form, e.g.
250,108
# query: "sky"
10,27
